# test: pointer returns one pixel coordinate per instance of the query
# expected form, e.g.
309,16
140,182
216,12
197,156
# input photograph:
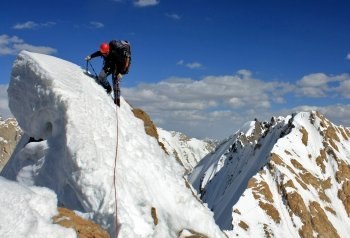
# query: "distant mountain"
10,134
289,177
188,151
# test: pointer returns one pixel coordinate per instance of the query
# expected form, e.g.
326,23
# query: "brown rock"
344,196
331,136
243,225
261,191
150,128
298,207
305,136
320,222
344,133
271,211
154,215
321,159
343,172
10,134
191,234
84,228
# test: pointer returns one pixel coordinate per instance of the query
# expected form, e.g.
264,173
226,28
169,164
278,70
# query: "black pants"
116,90
105,84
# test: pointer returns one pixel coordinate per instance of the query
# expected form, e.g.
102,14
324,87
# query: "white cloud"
32,25
348,56
180,62
6,43
173,16
245,73
193,65
222,104
222,101
344,88
234,91
26,25
11,45
314,80
319,84
96,24
33,48
236,102
146,3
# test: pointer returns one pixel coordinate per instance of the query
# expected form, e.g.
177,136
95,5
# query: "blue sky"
200,67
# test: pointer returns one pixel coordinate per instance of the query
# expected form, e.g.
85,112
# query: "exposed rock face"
289,177
191,234
262,193
10,134
150,127
84,228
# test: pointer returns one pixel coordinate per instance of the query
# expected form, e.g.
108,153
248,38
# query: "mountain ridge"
188,151
275,183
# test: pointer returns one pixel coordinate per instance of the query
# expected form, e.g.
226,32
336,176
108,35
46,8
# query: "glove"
87,58
119,77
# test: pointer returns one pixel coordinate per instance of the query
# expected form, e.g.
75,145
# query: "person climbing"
116,62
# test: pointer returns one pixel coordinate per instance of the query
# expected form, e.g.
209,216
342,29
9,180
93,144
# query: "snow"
26,211
82,134
189,150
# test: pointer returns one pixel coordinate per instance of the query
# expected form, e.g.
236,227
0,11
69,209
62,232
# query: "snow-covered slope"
188,151
289,177
28,211
82,133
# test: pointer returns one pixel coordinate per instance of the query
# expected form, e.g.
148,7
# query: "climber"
116,62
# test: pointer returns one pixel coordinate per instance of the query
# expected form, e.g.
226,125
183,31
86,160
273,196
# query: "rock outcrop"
10,134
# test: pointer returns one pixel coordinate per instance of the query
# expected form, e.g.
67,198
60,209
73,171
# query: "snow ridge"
283,178
188,151
53,100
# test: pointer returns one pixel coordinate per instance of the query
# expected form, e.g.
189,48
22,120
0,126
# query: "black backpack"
122,47
123,51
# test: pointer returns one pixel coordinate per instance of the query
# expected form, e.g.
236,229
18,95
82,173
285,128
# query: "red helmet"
104,48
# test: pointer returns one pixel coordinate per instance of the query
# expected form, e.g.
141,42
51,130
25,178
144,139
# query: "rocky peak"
288,177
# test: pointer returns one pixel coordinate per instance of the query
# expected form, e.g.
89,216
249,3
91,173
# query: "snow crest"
76,134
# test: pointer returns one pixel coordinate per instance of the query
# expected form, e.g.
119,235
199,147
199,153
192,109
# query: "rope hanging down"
116,147
114,175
